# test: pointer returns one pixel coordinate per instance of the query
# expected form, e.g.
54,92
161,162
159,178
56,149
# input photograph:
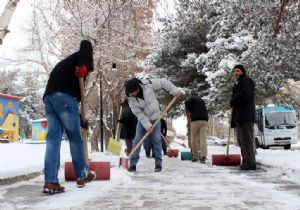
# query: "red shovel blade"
102,170
226,160
124,162
172,152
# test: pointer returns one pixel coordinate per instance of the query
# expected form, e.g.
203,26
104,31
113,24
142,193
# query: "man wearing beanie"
145,107
243,116
61,98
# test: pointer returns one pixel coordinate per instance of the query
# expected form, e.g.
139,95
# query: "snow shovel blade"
172,152
186,155
226,160
124,162
114,146
102,170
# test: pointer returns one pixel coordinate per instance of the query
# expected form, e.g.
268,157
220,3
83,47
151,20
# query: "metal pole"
101,116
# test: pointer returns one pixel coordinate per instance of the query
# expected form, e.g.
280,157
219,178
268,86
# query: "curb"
12,180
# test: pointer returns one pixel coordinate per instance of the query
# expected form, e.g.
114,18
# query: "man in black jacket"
61,98
196,110
243,116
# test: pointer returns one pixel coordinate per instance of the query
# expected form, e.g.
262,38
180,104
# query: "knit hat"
131,85
241,67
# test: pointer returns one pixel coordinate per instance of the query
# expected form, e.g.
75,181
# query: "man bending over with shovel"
144,105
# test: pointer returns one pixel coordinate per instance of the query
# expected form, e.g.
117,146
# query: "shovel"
102,169
124,160
115,146
171,152
227,159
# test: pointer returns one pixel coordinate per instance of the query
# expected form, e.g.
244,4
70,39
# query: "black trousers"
245,138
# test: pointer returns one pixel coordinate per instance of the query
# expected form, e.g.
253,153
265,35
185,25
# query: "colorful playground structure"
9,117
39,130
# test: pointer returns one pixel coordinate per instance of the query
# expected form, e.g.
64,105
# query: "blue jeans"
154,136
62,111
148,146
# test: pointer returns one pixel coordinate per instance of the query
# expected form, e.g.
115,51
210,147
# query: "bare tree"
120,32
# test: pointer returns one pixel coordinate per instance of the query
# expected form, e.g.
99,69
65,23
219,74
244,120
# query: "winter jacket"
196,106
147,109
63,78
128,121
243,100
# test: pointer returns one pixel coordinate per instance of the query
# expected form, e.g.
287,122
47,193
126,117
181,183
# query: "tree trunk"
6,17
278,21
94,138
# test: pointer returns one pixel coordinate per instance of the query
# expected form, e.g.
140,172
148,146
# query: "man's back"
196,106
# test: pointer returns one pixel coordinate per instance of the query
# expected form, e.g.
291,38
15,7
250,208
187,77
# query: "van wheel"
288,146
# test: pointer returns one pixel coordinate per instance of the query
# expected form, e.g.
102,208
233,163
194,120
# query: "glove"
81,71
189,114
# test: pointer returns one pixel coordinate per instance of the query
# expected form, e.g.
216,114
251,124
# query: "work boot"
203,159
158,168
132,169
52,188
90,177
245,167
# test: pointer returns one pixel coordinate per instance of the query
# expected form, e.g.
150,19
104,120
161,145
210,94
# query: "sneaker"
158,168
132,169
247,167
90,177
203,159
52,188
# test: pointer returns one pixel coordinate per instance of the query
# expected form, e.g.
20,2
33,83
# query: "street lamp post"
101,115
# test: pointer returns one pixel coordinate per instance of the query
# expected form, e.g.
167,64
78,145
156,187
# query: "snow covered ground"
181,184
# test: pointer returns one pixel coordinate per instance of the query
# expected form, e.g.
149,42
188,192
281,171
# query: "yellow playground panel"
9,117
39,130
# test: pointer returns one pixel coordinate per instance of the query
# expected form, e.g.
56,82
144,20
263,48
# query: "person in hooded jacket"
243,116
129,122
61,98
144,105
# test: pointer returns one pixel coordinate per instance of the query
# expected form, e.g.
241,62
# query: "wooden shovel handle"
83,118
118,124
164,138
153,126
229,130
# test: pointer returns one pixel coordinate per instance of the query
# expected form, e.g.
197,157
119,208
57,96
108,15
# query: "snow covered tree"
234,32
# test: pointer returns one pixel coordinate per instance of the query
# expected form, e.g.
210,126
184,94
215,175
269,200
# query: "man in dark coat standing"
243,116
61,98
197,112
129,122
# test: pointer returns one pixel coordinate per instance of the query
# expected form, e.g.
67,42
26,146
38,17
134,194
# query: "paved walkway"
187,185
181,185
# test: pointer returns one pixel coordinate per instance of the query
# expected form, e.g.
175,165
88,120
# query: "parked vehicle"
213,140
276,126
